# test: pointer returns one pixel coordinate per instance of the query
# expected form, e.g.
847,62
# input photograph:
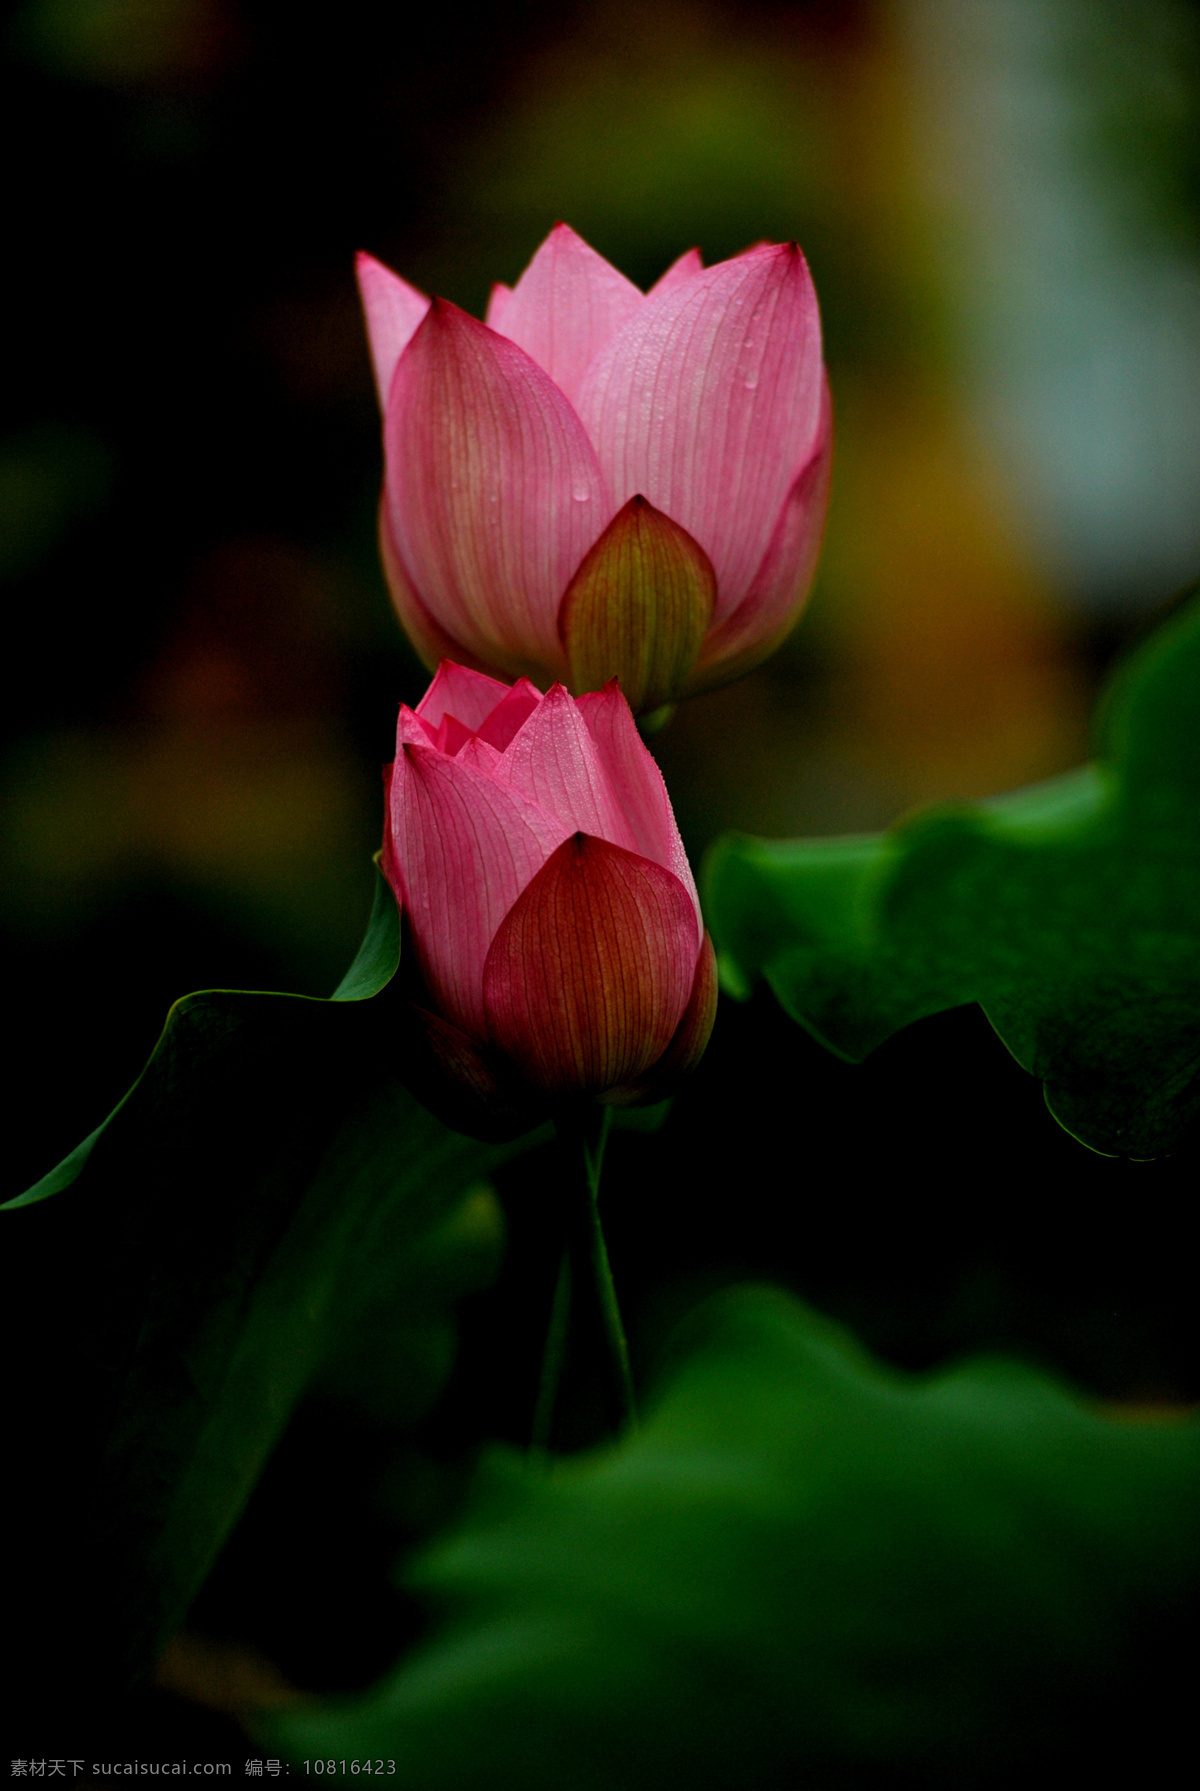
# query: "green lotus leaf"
267,1200
1069,911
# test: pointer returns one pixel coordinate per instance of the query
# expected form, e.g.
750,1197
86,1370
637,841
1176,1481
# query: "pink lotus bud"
556,950
602,483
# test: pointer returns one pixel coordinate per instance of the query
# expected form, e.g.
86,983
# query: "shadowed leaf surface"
266,1188
806,1569
1069,911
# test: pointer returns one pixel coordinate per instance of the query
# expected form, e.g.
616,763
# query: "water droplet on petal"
581,494
751,381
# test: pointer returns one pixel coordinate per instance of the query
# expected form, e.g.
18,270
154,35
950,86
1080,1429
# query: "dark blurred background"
1000,201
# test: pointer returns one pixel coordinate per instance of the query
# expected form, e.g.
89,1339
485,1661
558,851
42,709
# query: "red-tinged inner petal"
565,306
708,402
511,714
494,491
591,970
453,735
456,691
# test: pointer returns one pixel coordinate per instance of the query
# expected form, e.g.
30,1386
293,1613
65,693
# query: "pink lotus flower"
599,482
549,905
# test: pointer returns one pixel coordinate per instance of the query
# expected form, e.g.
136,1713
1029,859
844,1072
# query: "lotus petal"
393,311
494,493
429,638
638,608
679,272
638,782
458,691
464,846
688,1042
510,714
565,306
554,761
782,583
709,400
591,970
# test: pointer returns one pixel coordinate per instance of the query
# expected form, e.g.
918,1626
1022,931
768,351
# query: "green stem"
584,1266
587,1136
553,1357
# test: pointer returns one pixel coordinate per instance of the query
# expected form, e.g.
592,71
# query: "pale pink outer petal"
431,641
688,265
708,401
784,579
554,761
393,310
458,691
565,306
464,847
638,783
497,305
494,492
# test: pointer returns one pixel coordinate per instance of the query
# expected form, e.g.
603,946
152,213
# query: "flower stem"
593,1139
584,1267
553,1357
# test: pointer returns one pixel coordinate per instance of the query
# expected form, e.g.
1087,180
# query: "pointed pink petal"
480,756
519,703
638,782
494,491
412,729
782,583
679,273
708,401
591,970
497,305
465,847
393,310
565,306
458,691
430,640
555,762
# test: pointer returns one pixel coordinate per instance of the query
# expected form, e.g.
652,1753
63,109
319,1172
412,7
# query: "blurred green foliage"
806,1569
